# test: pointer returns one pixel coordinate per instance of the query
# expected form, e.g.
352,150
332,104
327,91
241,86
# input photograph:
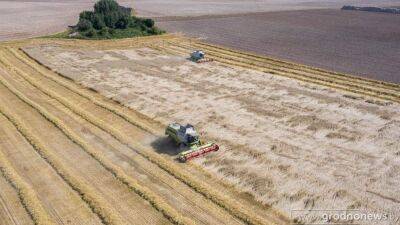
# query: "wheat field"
82,131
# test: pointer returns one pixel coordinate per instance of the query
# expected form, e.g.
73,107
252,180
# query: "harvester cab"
199,56
189,141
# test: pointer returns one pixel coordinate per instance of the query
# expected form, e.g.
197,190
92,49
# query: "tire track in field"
117,172
229,60
73,87
228,204
25,192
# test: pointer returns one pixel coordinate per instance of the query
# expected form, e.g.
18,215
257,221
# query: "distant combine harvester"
372,9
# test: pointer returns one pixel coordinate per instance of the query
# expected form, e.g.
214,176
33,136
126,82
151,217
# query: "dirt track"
306,139
67,149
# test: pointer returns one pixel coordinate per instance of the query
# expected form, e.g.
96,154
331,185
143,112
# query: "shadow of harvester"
165,145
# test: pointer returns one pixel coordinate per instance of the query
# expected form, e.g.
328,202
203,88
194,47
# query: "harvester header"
188,141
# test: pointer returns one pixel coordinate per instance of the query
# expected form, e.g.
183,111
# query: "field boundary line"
27,196
228,204
148,195
323,83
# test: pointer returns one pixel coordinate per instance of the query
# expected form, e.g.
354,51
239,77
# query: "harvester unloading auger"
189,142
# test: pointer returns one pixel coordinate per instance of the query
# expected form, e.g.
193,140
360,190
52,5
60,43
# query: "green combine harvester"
189,142
199,56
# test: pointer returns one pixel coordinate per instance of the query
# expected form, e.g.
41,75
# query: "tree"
87,15
123,22
106,6
109,20
98,22
148,22
90,33
84,25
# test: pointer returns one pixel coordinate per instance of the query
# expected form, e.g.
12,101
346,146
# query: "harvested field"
60,153
26,18
361,43
292,136
297,30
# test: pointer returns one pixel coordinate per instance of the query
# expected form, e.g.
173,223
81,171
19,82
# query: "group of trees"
110,20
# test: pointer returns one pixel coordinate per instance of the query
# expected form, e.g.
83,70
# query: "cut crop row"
67,83
274,70
117,172
291,65
323,82
347,80
83,93
228,204
96,203
25,192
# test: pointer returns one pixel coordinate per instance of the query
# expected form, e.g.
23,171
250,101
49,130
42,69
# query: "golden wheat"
72,87
282,67
88,194
132,184
292,65
323,82
229,204
265,66
25,192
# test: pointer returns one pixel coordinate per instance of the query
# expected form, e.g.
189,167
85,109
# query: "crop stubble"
100,206
273,110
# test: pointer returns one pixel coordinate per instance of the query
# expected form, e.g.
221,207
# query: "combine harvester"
199,56
187,137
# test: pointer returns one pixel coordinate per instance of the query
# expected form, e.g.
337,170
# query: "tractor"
187,138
